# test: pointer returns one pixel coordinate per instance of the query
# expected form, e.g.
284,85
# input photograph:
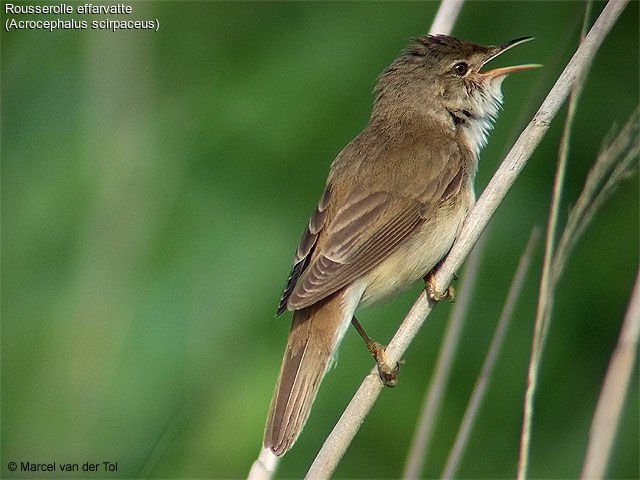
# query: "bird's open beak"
498,72
500,49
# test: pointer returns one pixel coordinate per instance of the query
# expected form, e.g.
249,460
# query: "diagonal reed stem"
340,437
545,298
264,467
614,389
435,391
625,145
483,379
612,166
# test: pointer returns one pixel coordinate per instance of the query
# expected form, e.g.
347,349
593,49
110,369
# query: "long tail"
315,333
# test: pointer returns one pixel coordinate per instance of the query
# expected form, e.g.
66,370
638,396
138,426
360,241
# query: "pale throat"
475,120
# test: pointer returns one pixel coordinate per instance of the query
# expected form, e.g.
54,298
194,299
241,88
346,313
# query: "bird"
394,201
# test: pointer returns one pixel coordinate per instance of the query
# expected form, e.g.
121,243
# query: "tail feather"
312,340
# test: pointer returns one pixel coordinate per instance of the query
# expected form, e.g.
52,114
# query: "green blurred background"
154,187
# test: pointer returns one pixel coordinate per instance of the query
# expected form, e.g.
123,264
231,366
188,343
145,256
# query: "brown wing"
305,248
361,236
363,233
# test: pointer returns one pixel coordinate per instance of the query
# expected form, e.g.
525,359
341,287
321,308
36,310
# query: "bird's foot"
388,375
432,291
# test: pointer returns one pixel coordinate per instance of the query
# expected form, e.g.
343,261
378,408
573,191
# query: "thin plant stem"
342,434
612,165
163,442
626,145
446,16
483,379
435,391
264,467
546,286
614,389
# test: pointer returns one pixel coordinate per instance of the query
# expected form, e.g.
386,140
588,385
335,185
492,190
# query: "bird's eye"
460,68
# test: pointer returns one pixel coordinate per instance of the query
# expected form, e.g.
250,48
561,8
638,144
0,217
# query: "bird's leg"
388,375
433,293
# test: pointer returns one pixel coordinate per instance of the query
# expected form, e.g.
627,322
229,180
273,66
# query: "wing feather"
305,248
367,240
360,235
